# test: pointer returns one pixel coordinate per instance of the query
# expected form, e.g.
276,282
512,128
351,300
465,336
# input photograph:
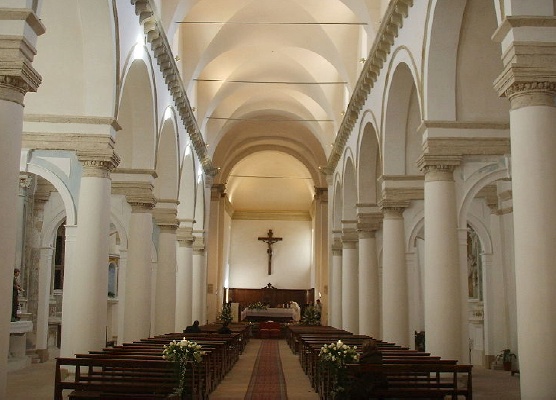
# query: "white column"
369,294
395,315
165,292
443,306
16,79
84,305
350,285
138,274
335,285
184,277
198,290
533,141
43,297
496,316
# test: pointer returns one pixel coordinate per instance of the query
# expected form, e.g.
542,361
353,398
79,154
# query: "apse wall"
291,259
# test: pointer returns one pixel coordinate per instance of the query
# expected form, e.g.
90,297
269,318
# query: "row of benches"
409,373
137,371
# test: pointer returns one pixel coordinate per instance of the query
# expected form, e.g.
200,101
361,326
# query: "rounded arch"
167,165
89,88
67,198
187,187
402,117
255,148
136,141
338,204
439,65
474,184
349,195
369,161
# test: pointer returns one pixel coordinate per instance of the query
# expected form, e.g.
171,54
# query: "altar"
272,314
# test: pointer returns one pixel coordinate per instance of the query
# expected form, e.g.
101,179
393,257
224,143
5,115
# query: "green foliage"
506,355
225,315
311,316
256,306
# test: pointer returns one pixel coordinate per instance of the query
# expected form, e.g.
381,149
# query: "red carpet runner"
267,381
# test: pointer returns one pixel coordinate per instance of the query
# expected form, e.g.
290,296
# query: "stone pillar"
335,284
443,306
184,277
19,29
43,299
395,315
137,310
533,139
84,306
529,81
165,293
369,290
350,275
199,279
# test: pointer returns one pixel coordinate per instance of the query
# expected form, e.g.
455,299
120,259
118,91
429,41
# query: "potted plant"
507,357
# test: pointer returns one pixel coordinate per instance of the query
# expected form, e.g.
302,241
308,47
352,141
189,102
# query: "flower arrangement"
311,316
338,354
256,306
225,315
182,352
333,358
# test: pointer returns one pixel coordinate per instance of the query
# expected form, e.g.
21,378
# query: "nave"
37,381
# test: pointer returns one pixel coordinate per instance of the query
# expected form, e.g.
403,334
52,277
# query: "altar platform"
270,314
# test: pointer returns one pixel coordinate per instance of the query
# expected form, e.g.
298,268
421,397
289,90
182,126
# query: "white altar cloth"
271,313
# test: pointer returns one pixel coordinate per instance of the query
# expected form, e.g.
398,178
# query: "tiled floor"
37,381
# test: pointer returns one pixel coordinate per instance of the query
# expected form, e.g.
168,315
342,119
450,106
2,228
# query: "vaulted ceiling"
269,81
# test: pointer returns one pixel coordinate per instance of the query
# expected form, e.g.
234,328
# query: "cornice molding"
68,141
272,215
163,53
391,23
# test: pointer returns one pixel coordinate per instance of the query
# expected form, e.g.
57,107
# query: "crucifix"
269,240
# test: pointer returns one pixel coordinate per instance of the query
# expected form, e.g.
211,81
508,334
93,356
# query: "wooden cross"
269,240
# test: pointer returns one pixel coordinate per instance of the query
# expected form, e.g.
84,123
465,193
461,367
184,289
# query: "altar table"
276,314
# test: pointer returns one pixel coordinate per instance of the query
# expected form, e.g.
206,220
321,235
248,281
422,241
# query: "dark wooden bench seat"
94,378
419,380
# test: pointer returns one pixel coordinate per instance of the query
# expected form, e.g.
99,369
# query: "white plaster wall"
291,261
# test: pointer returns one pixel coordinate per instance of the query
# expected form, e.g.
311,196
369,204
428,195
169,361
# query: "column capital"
321,194
166,218
217,191
438,168
198,245
337,247
17,76
369,222
534,93
184,235
349,233
392,209
139,194
98,163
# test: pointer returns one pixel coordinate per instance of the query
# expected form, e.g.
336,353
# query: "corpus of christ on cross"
269,240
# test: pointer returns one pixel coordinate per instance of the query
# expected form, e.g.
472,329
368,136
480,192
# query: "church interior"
392,159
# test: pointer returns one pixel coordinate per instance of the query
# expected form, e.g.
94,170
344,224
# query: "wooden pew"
434,379
131,370
95,378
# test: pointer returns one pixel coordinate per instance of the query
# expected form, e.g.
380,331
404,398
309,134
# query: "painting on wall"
474,265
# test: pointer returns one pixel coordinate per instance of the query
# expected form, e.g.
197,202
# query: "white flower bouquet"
182,352
338,354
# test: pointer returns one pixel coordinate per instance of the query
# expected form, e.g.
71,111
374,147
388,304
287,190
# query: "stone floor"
36,382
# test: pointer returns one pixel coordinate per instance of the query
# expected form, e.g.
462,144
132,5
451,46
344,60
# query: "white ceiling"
273,77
